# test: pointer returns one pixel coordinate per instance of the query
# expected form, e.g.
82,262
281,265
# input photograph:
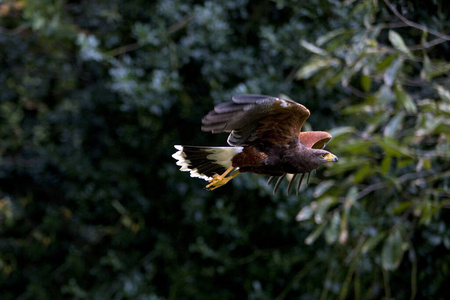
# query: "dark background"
94,94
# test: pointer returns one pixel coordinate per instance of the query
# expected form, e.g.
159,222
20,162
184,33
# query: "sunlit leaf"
314,65
443,93
312,48
398,43
306,212
331,35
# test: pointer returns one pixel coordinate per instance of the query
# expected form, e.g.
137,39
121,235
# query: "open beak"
330,157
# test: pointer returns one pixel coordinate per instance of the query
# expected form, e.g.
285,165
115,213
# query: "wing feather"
315,139
257,118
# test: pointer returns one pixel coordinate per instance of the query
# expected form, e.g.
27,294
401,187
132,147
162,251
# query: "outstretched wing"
257,119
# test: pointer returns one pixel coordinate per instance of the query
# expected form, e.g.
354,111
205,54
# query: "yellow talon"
220,180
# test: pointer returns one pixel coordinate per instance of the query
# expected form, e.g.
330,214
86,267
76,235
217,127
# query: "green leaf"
393,249
392,147
427,210
365,171
386,164
398,43
372,242
386,62
366,83
402,207
405,100
432,69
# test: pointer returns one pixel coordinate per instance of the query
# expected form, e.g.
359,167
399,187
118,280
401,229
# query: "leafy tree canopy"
96,93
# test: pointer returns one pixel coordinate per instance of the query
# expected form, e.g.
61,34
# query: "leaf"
386,164
426,70
312,48
332,232
432,69
385,95
366,83
372,242
392,147
340,132
405,100
427,210
312,237
322,209
394,125
386,62
402,207
331,35
306,212
391,73
393,249
314,65
444,94
365,171
323,187
398,43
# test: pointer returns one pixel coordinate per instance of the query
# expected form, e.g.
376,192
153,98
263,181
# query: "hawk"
265,138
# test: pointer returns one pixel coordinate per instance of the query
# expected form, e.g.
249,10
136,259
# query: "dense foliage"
94,94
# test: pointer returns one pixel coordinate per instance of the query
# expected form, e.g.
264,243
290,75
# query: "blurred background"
94,94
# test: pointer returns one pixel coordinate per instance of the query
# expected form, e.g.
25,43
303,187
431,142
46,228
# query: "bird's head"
322,156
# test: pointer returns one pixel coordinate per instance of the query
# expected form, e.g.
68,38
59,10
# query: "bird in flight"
265,138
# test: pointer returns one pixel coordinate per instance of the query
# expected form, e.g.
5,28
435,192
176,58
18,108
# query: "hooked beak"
330,157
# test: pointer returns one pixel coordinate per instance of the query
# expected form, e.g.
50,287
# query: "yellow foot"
219,180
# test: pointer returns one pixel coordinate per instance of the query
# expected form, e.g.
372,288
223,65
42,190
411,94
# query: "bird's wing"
257,119
315,139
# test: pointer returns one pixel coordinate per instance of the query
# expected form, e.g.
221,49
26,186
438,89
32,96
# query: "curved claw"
299,184
278,183
290,184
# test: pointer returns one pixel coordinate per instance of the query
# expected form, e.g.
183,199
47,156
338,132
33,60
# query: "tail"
204,162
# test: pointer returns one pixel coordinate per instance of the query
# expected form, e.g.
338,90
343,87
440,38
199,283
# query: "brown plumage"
265,138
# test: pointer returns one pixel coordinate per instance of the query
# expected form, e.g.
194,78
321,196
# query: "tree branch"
415,25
